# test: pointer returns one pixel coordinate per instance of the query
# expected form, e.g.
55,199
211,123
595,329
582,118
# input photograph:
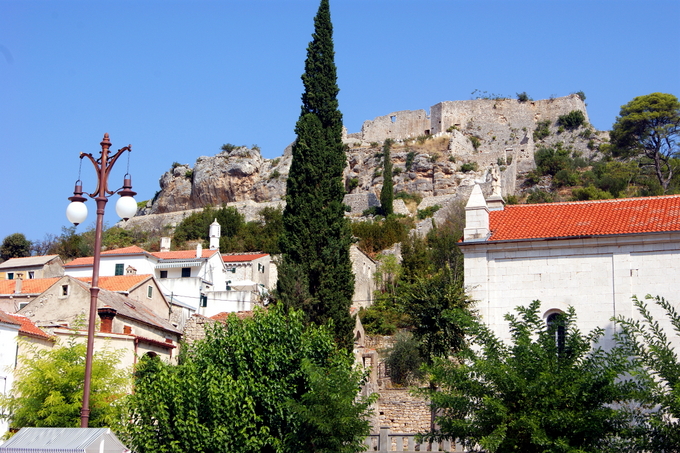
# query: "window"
119,269
186,272
164,274
204,300
64,290
228,285
31,274
557,327
22,305
393,118
149,291
10,275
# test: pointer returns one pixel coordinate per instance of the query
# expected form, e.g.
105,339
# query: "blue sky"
178,79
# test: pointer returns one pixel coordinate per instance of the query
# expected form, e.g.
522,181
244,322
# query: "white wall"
8,356
597,276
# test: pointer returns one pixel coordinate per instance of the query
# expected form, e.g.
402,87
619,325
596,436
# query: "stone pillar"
476,217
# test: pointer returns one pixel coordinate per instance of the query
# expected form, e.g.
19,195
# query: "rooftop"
27,261
586,218
242,257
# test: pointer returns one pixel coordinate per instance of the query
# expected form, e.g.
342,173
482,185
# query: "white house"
592,255
31,267
13,327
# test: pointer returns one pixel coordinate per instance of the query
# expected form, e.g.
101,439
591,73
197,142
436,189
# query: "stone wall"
401,412
194,329
396,125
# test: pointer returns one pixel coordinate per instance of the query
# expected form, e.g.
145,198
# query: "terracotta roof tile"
239,258
118,282
27,327
30,286
586,218
182,254
239,314
88,260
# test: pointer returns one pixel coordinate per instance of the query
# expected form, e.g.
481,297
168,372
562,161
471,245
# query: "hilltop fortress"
439,156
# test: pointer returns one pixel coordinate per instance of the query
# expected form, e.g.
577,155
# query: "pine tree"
387,191
316,273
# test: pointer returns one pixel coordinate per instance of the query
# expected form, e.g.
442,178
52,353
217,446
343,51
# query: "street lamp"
76,213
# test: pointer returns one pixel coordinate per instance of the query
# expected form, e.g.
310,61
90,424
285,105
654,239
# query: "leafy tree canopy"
266,383
48,388
646,341
648,127
542,392
15,246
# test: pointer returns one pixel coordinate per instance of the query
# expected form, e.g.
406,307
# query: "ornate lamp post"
76,213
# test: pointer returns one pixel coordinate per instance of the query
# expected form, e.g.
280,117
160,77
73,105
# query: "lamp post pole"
76,213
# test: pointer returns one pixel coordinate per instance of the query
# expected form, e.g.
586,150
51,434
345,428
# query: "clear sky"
178,79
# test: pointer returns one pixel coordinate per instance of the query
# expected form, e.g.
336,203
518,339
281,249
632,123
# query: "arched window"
557,327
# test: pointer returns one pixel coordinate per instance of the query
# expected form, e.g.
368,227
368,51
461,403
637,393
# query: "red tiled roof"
239,258
118,282
27,327
586,218
30,286
239,314
183,254
88,260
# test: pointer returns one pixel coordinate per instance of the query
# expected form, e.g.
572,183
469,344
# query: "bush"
468,166
274,174
542,130
409,159
228,147
352,184
428,212
539,196
523,97
403,360
189,174
475,142
565,177
377,235
590,193
551,160
572,120
581,94
406,196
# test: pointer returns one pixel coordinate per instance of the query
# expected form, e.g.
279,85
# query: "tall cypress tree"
316,273
387,191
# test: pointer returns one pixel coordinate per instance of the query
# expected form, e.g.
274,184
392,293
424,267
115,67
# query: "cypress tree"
316,273
387,191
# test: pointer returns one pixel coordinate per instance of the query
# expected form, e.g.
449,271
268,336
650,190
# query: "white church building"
592,255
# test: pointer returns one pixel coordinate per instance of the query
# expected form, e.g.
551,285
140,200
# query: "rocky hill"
438,156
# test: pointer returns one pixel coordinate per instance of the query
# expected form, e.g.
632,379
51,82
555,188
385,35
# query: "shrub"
452,128
581,94
533,177
189,174
409,160
540,196
523,97
572,120
565,177
421,139
377,235
590,193
396,171
542,130
175,165
475,142
228,147
276,161
403,360
511,199
434,157
377,173
428,212
352,184
551,160
468,166
417,198
375,145
274,174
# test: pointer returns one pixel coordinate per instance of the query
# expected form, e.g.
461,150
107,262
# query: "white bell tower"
215,233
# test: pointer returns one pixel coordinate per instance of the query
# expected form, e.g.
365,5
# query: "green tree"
648,343
48,388
387,191
268,383
648,127
316,269
15,246
542,392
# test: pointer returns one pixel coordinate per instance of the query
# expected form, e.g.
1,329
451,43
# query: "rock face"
241,174
443,154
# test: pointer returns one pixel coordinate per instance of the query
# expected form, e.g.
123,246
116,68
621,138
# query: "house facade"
125,324
32,267
592,255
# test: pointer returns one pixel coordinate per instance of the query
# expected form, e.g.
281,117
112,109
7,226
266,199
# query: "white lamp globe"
126,207
76,212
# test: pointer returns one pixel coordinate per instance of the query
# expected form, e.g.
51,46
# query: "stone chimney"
18,283
199,251
215,233
476,217
165,244
107,314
